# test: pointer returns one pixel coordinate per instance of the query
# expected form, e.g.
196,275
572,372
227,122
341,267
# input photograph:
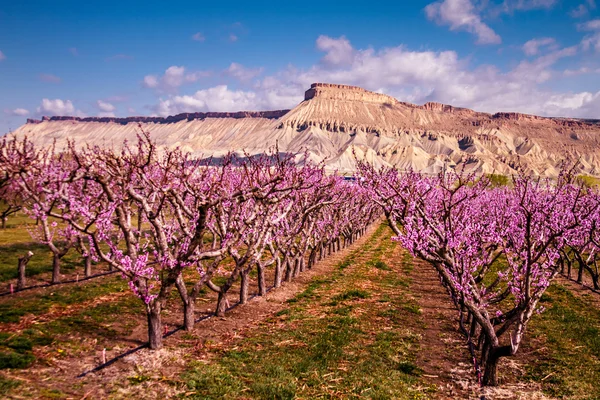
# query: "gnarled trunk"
155,328
87,266
23,261
55,268
244,288
221,305
189,305
278,272
262,285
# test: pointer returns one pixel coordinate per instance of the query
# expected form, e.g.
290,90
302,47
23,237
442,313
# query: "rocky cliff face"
335,120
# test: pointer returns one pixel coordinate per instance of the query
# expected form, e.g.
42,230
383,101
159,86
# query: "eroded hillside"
335,120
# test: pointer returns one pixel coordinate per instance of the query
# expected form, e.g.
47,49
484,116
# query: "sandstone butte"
334,120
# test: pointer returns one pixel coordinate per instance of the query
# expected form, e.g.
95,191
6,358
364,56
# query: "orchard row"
167,221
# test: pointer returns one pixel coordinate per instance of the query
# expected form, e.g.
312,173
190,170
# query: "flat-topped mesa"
446,108
345,92
170,119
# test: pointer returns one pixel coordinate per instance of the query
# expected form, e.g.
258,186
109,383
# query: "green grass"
569,330
15,241
7,385
322,349
13,308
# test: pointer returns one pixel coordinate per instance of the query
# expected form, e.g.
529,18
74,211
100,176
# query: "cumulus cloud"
173,78
409,75
461,15
49,78
218,98
56,107
198,37
17,112
338,51
2,56
150,81
532,47
242,73
233,37
105,106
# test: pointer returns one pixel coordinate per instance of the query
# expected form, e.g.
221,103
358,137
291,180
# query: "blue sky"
159,58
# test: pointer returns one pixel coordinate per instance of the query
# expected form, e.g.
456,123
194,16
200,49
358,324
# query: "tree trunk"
4,219
244,288
139,219
189,305
221,305
296,268
490,374
87,261
23,260
490,359
311,258
155,331
278,272
288,270
580,272
262,285
55,268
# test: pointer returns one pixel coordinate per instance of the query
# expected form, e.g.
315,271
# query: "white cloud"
198,36
409,75
532,47
2,56
337,51
130,110
581,71
580,11
592,40
17,112
593,25
583,9
173,78
242,73
233,37
56,107
50,78
150,81
461,15
218,98
73,51
105,106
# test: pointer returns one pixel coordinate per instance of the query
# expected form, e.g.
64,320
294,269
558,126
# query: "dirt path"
405,342
445,357
215,332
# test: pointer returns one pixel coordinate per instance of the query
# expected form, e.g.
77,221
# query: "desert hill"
335,119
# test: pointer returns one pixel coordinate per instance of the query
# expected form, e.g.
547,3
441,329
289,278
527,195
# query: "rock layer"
334,122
